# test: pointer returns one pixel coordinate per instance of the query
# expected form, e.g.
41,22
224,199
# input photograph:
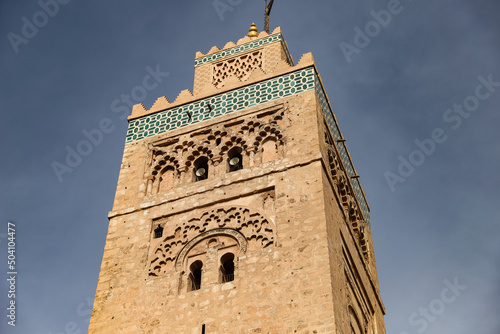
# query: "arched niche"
269,149
167,179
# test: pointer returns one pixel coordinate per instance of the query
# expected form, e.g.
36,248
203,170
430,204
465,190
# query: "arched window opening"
201,169
158,232
227,268
269,150
194,280
235,159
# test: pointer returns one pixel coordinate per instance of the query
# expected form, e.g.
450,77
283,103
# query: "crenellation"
139,110
306,58
214,49
161,103
229,45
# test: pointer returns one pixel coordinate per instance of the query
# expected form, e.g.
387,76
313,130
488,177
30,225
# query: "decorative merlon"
228,46
184,96
306,58
139,109
214,49
161,103
181,113
241,41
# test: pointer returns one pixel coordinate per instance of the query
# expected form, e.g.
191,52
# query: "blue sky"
397,97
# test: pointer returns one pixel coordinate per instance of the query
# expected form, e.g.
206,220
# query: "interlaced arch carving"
163,159
249,135
255,228
234,140
199,149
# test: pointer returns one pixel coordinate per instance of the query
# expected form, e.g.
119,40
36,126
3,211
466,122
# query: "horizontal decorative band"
238,49
235,100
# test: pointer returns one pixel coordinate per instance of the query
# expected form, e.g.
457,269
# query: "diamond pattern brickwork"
202,76
273,54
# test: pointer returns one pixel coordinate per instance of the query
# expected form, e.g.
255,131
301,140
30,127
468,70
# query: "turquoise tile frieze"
342,148
238,99
242,48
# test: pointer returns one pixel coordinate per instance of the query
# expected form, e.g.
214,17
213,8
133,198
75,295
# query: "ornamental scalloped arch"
234,140
162,162
240,239
249,136
164,159
199,149
252,224
222,215
268,131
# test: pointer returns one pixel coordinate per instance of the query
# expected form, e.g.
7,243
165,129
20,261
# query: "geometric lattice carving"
240,67
243,221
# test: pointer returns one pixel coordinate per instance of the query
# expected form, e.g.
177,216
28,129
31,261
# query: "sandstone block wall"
302,262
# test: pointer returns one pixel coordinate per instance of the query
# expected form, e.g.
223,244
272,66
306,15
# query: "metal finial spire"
266,15
252,32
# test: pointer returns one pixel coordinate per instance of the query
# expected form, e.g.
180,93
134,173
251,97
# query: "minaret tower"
238,209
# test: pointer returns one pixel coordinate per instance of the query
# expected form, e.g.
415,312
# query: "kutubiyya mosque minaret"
238,209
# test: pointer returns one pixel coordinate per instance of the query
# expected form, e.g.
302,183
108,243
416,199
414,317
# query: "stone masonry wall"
358,307
300,266
281,288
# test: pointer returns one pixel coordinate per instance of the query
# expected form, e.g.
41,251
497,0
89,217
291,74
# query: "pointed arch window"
235,159
201,169
194,281
227,268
